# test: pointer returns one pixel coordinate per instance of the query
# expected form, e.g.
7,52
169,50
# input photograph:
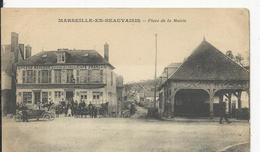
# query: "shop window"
44,97
27,97
57,94
84,97
97,95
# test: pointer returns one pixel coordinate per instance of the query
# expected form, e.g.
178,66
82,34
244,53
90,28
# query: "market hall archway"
191,103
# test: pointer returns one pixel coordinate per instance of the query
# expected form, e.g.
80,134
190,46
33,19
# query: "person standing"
69,114
222,112
91,110
24,113
75,106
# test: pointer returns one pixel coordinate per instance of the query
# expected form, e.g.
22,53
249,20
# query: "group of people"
21,107
80,109
222,112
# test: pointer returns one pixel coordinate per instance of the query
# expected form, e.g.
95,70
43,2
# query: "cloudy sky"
132,45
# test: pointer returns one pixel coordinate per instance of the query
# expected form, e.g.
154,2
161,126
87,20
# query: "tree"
239,58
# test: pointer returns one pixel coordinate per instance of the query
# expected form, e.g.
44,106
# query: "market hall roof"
73,57
208,63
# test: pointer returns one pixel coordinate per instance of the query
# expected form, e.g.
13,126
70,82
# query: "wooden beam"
239,99
211,102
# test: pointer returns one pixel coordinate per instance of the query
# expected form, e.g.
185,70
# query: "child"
69,112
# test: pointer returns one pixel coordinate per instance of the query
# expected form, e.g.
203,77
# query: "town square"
125,86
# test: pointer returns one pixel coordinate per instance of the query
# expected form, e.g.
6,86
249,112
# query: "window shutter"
101,75
34,76
24,75
49,76
39,76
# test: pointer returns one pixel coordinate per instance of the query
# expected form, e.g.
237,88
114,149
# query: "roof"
171,68
64,86
208,63
73,57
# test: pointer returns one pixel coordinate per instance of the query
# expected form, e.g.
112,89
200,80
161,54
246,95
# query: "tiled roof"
73,57
208,63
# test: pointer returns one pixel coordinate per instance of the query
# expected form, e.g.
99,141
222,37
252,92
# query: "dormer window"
61,57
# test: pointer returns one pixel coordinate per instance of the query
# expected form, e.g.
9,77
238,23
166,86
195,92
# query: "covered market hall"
206,78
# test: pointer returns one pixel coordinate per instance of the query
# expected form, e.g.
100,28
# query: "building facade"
201,82
119,91
11,54
67,75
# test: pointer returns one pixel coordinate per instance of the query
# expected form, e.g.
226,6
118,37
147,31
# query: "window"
44,97
44,76
84,97
70,78
61,57
95,75
101,75
97,95
57,94
57,76
83,74
27,97
77,76
111,78
29,76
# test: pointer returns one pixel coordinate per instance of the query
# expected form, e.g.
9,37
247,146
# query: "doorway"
69,95
191,103
37,97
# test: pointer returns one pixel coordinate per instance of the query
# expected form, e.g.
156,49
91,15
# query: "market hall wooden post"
211,102
228,95
238,95
173,93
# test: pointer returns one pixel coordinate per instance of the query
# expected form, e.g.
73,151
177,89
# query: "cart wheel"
18,118
53,115
47,117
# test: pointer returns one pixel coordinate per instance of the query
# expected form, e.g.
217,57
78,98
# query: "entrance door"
69,95
37,97
191,103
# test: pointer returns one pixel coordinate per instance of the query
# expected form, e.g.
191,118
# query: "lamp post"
155,71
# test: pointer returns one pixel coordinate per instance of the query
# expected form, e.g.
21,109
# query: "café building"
66,74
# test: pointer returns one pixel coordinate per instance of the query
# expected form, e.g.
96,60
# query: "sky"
132,44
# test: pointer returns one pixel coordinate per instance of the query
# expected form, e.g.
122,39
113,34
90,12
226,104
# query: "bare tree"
239,58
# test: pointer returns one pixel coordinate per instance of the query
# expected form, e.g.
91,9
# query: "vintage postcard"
125,80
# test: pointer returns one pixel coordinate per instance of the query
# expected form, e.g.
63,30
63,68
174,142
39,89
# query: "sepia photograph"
125,80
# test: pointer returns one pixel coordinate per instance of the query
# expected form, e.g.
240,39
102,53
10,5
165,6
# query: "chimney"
106,52
28,51
14,41
21,47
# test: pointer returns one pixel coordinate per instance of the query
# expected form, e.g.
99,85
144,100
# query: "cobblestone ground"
119,135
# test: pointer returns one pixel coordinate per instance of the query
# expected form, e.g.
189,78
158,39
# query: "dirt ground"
119,135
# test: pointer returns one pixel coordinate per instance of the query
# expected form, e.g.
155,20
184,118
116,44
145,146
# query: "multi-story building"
10,55
206,78
119,91
65,75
